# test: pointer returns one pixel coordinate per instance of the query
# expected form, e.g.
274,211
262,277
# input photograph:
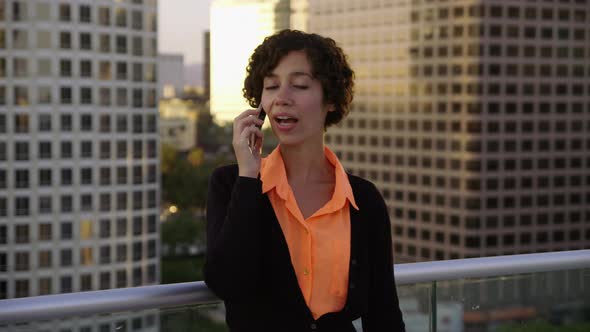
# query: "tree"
183,227
195,157
168,158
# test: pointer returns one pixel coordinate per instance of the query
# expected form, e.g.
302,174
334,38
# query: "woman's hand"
248,157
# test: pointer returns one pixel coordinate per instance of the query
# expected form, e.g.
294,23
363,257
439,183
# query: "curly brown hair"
328,62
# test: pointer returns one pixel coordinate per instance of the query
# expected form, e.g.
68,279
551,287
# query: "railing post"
433,316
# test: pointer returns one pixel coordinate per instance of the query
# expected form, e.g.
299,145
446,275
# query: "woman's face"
293,101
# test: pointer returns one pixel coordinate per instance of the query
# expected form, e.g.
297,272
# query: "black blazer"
249,267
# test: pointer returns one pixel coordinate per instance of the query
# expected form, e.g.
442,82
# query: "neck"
306,163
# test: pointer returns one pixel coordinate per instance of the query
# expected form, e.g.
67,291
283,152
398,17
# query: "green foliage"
182,269
183,227
168,158
543,326
185,185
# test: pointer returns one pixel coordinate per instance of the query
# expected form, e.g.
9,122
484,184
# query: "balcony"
503,293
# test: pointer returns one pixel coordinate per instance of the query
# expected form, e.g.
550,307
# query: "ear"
331,108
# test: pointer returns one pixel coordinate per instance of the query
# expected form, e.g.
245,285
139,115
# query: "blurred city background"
472,117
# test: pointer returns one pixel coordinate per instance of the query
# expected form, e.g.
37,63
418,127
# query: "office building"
79,184
473,119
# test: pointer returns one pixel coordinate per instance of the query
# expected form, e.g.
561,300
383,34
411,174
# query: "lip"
282,126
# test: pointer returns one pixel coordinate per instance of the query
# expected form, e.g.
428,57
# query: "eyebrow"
293,74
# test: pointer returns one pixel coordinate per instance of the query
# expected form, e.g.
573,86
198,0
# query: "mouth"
285,120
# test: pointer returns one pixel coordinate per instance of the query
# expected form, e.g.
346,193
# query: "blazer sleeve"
383,313
233,260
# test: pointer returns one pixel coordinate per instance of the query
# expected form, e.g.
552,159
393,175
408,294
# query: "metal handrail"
196,293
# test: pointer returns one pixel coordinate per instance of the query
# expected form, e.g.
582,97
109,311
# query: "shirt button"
351,286
314,326
353,262
305,272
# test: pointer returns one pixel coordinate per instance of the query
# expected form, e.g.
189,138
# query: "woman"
295,243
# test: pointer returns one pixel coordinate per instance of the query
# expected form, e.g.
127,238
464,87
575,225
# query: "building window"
105,43
21,123
105,283
121,201
86,68
45,286
121,123
105,150
21,96
65,14
66,177
122,175
105,96
86,122
65,40
105,70
67,204
20,39
21,232
121,70
44,122
45,259
86,202
21,151
66,122
121,278
85,14
20,67
66,95
21,288
66,150
104,16
137,72
105,255
105,201
137,20
22,209
66,232
86,149
121,44
121,17
2,179
45,204
85,41
122,97
137,44
21,178
65,283
137,98
105,176
85,285
45,177
86,95
121,229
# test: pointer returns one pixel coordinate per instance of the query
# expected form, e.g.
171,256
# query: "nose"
283,96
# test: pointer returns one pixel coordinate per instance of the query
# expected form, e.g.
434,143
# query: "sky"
181,24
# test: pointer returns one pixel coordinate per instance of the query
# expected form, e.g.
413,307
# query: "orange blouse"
319,246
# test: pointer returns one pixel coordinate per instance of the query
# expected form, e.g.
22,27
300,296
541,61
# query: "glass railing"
532,292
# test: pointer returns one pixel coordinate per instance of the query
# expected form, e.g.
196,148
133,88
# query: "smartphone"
261,116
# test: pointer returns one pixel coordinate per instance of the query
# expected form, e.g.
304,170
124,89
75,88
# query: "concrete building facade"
473,119
79,142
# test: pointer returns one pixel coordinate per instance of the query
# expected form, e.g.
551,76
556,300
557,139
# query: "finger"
246,114
250,121
244,137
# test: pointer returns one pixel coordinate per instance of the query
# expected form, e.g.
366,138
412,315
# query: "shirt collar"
274,176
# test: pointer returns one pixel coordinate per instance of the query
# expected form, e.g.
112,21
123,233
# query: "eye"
271,87
302,87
